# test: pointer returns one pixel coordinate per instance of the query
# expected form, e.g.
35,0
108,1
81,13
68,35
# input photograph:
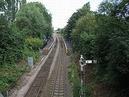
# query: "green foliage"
74,18
104,36
87,91
83,35
33,22
35,19
2,5
21,38
23,2
112,48
35,43
106,7
10,7
74,79
9,75
9,47
28,52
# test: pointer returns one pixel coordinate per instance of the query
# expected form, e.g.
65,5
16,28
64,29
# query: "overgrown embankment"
20,38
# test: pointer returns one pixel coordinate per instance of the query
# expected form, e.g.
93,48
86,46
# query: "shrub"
35,43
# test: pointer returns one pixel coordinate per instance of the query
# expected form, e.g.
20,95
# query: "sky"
62,10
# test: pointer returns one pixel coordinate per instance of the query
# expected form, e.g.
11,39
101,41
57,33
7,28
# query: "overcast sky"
61,10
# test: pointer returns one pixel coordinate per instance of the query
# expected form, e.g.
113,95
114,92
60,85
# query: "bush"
27,52
34,43
9,74
73,76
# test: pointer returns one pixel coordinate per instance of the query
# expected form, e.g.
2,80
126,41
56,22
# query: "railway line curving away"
52,81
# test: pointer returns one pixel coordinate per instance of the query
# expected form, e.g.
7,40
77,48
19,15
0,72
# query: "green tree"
83,35
34,20
104,36
106,8
10,43
112,49
74,18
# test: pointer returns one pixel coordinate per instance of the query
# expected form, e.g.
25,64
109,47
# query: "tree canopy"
104,36
34,18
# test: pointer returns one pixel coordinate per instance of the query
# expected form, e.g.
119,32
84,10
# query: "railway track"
54,84
58,82
42,76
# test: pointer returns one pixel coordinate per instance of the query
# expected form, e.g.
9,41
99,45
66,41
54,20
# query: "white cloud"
61,10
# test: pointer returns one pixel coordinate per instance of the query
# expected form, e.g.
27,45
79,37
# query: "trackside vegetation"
23,32
103,36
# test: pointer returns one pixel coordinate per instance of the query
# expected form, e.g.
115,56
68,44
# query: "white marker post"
30,61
